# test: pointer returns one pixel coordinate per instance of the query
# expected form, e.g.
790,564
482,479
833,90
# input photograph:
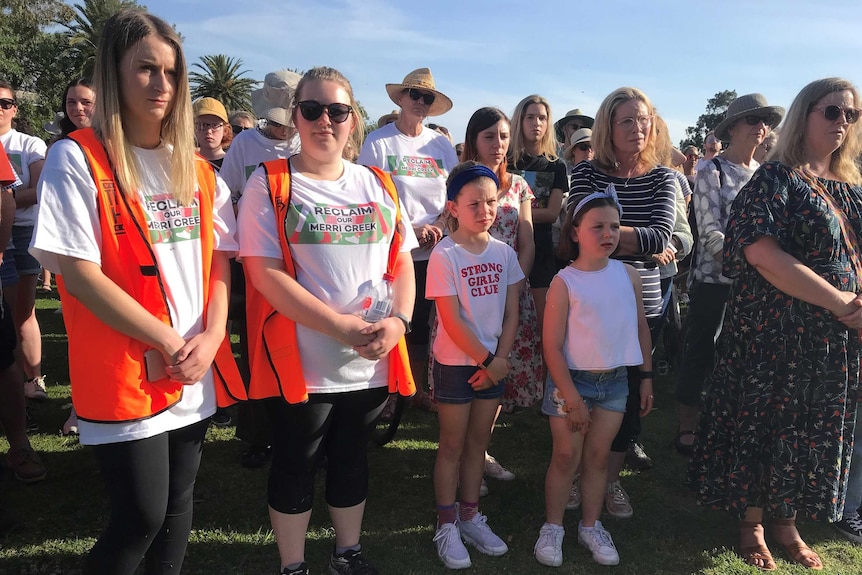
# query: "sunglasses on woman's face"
584,147
832,113
753,120
427,98
311,110
7,103
237,129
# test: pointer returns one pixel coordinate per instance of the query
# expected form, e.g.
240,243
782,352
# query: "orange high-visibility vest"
106,367
274,358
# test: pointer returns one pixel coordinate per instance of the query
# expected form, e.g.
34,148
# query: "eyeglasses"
206,126
237,129
311,110
584,147
7,103
832,113
427,98
629,123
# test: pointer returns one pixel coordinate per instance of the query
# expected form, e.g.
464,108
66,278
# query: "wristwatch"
408,325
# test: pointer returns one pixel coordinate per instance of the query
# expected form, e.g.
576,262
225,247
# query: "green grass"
62,516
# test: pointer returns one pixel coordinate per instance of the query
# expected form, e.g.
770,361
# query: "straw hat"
421,79
387,118
277,92
210,106
748,105
576,114
578,137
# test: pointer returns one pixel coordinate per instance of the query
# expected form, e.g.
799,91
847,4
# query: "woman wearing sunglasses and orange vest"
315,232
140,231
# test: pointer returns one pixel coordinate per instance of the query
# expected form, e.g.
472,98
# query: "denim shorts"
450,384
607,390
25,264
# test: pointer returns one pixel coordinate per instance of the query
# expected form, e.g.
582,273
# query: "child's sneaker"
575,494
617,501
494,470
851,528
549,547
477,533
450,548
600,544
301,570
351,563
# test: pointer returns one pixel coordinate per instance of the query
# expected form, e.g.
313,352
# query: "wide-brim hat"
210,106
576,114
578,137
387,118
747,105
421,79
278,115
277,92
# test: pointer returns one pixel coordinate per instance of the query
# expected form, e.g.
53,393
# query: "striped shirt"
648,206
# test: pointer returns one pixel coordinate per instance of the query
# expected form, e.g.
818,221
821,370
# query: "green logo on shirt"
351,224
414,166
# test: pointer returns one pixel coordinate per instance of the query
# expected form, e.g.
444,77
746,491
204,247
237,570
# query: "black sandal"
686,449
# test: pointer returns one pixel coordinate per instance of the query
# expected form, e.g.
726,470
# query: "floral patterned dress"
779,411
524,385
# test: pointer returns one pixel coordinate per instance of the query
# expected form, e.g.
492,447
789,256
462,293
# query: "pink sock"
445,514
468,510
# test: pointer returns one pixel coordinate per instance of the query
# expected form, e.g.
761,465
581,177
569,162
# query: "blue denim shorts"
450,384
25,264
607,390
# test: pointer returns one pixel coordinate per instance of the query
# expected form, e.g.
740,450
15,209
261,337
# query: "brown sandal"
756,555
798,550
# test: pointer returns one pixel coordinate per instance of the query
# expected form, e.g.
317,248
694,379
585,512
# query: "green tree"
220,77
716,107
85,29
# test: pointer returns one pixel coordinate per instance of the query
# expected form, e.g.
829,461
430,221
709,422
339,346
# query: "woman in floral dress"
775,437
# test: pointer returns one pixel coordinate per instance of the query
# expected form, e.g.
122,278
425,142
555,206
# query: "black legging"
150,484
337,424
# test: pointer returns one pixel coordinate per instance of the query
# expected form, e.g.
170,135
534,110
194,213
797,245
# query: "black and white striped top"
648,206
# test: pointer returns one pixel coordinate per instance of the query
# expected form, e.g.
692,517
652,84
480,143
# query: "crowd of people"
534,265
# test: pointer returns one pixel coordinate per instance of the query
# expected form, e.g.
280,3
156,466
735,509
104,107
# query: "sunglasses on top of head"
832,113
427,98
311,110
7,103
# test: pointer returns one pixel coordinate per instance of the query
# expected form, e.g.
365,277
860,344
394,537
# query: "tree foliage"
85,29
221,77
716,107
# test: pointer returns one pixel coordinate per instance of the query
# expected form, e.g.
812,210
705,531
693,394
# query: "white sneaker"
575,494
71,425
35,388
617,501
600,544
483,489
549,547
477,533
450,548
496,471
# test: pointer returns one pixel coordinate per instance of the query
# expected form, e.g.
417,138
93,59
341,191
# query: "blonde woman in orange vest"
315,232
140,231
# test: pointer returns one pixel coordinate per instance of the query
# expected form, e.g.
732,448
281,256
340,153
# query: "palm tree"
220,78
85,29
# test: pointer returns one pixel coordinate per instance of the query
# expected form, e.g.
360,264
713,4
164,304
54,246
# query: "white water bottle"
376,301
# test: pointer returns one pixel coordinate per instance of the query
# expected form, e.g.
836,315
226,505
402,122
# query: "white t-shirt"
249,149
339,233
68,224
480,281
419,166
23,150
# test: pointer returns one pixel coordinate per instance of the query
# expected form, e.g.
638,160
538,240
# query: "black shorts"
8,339
421,333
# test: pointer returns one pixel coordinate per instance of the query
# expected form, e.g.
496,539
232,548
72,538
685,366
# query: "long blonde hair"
121,32
602,141
547,145
791,149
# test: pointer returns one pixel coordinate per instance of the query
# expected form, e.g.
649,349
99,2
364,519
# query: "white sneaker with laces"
617,501
477,533
450,548
575,494
35,388
549,547
494,470
600,544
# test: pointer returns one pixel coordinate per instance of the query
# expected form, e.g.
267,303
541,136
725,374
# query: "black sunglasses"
311,110
237,129
7,103
427,98
753,120
584,147
832,113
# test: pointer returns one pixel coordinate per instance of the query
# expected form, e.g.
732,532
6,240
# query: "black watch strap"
408,325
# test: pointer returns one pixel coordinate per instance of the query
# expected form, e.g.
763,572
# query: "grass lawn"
61,516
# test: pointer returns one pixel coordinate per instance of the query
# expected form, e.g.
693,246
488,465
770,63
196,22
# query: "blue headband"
610,193
466,176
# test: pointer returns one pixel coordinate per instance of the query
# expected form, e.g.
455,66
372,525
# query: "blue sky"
572,52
